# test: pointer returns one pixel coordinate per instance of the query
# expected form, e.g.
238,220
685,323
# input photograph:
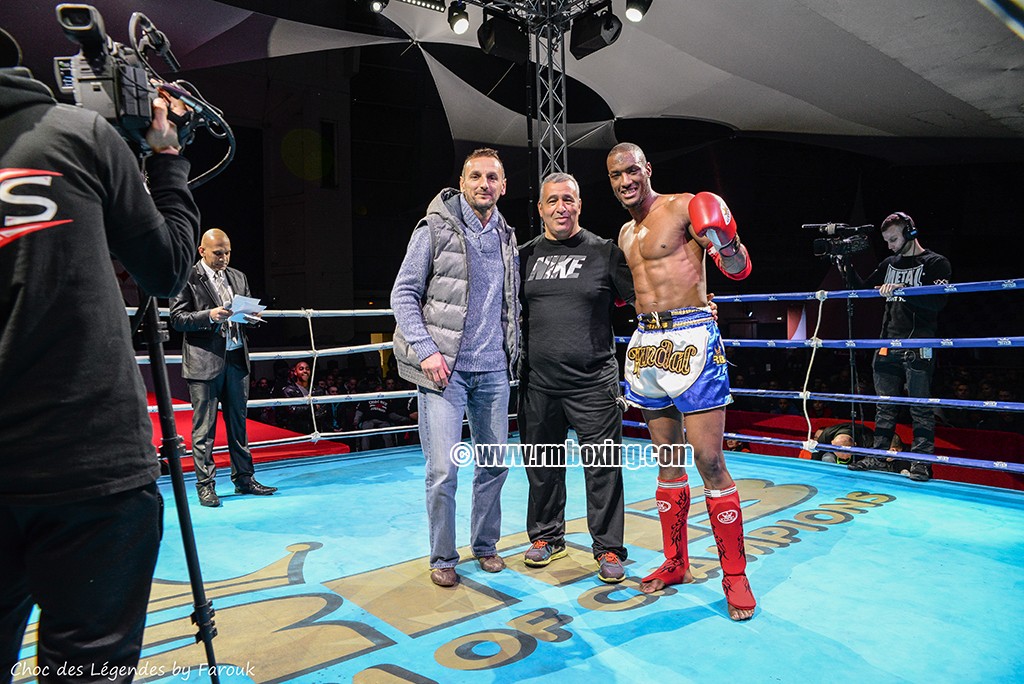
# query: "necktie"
229,330
221,285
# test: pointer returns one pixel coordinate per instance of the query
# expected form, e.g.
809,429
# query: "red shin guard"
673,499
726,519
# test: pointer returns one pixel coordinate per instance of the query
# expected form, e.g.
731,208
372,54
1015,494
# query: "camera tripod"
154,334
846,270
129,85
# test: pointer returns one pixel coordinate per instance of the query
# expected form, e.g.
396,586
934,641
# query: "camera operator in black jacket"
905,317
80,513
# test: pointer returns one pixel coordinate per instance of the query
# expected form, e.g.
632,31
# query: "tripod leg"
171,449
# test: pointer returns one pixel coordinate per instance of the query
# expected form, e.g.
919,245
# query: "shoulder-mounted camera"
118,83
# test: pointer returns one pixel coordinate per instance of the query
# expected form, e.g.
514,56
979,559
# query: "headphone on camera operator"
908,230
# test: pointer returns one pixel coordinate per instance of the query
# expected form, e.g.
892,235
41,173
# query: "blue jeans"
484,397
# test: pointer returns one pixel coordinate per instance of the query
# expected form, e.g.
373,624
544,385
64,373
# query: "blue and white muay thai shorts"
677,358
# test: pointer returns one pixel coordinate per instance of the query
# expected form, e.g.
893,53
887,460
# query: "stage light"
594,30
458,17
636,9
377,6
503,37
436,5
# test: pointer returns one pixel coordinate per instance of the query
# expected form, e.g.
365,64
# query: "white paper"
244,306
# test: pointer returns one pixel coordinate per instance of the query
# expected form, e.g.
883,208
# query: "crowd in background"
751,369
327,378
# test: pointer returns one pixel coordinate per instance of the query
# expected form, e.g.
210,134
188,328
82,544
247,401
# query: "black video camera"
117,82
106,77
847,239
830,247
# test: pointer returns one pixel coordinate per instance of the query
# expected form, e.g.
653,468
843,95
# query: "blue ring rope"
874,399
982,286
983,464
917,343
914,343
978,463
931,343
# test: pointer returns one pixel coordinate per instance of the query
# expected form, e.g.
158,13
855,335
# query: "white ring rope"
804,394
312,374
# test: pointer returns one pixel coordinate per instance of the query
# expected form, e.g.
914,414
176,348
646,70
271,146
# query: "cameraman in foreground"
80,513
905,317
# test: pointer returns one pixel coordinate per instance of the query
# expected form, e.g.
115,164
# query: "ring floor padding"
858,576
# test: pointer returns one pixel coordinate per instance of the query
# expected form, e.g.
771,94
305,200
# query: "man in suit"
215,362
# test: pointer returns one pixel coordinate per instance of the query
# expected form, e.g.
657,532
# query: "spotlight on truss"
458,17
436,5
636,9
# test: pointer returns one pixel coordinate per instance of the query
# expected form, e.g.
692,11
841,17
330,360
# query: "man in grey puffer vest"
457,340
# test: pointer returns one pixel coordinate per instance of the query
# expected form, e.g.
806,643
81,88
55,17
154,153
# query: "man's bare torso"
666,260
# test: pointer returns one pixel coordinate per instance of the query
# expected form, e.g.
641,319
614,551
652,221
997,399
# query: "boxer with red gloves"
665,245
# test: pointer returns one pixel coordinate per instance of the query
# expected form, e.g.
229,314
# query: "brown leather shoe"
491,563
444,577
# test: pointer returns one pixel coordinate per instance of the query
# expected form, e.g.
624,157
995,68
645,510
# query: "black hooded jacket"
73,422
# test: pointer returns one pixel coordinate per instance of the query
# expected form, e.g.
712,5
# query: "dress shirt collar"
210,273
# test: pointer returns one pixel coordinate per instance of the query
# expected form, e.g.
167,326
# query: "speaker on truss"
503,37
594,30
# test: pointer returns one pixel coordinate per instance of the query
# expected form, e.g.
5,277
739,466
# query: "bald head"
630,149
215,249
214,235
843,440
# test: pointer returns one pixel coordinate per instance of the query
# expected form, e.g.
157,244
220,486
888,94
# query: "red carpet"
960,442
983,444
256,431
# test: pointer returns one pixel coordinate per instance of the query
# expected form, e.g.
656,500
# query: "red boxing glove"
712,219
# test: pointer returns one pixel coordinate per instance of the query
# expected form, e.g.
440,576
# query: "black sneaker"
869,463
920,472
